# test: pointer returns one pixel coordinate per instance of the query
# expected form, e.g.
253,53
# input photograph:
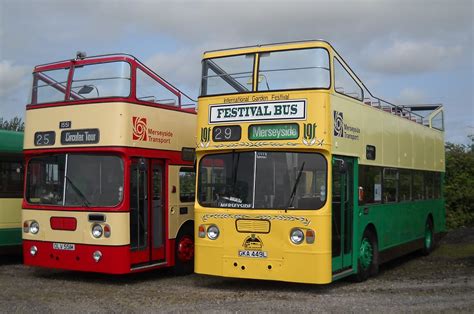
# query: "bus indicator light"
26,227
201,231
33,250
310,236
107,231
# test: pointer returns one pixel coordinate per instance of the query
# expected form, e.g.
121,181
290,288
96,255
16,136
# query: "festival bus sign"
261,111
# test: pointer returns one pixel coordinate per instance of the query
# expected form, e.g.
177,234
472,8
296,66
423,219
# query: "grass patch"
455,250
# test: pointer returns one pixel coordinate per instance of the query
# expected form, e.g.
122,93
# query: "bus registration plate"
64,246
257,254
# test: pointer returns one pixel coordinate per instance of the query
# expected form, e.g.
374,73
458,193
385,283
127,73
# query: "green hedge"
459,185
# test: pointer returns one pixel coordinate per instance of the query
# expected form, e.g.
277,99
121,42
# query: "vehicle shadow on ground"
99,279
399,262
9,258
236,285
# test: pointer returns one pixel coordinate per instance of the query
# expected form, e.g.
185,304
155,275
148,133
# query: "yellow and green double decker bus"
305,176
11,189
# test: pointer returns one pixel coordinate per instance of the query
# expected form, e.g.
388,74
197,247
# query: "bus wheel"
368,264
428,240
184,252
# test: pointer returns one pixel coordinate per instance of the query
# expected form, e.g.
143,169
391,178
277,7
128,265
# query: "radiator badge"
253,243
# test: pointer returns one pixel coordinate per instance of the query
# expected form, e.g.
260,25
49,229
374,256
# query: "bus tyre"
428,240
368,261
184,252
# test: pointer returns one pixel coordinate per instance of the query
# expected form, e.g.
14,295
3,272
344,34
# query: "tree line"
14,124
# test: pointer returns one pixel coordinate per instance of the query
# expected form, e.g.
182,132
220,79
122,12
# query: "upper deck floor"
107,100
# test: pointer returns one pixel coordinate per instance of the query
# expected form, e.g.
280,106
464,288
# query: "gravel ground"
441,282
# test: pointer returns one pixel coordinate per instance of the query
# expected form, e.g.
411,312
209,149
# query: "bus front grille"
252,225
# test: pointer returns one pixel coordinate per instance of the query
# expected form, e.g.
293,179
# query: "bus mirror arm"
342,165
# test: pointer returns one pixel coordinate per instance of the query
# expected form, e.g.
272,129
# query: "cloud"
182,68
408,57
411,95
389,40
12,77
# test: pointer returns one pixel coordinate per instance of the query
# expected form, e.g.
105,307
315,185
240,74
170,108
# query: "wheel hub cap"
366,253
186,249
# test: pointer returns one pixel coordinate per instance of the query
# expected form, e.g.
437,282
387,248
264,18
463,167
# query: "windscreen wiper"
85,201
235,166
293,192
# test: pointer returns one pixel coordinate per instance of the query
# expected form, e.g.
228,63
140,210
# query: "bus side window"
418,185
11,178
370,180
390,185
150,90
187,182
344,83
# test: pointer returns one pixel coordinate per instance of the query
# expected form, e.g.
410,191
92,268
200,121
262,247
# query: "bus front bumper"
77,257
314,268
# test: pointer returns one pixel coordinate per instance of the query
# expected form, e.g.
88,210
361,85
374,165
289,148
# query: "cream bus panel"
118,222
118,124
175,218
10,213
399,142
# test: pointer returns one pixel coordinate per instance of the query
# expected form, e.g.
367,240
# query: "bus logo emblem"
338,124
253,242
205,137
309,134
139,129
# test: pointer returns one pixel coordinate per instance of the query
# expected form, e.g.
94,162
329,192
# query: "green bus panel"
10,237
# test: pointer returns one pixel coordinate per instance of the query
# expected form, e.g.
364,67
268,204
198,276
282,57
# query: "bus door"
342,211
157,205
146,210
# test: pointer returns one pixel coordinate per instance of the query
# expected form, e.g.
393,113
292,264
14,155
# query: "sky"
405,51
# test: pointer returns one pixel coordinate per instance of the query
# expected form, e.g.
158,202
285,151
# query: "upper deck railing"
104,78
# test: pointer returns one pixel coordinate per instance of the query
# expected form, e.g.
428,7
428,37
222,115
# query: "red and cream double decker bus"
109,168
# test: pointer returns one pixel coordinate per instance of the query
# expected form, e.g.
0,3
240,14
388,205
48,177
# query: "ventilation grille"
252,225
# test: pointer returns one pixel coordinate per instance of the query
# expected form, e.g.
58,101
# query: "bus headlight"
97,231
213,232
34,227
296,236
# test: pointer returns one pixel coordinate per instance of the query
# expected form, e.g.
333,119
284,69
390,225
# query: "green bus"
11,188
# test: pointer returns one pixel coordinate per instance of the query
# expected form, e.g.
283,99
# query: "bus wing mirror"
188,154
86,89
